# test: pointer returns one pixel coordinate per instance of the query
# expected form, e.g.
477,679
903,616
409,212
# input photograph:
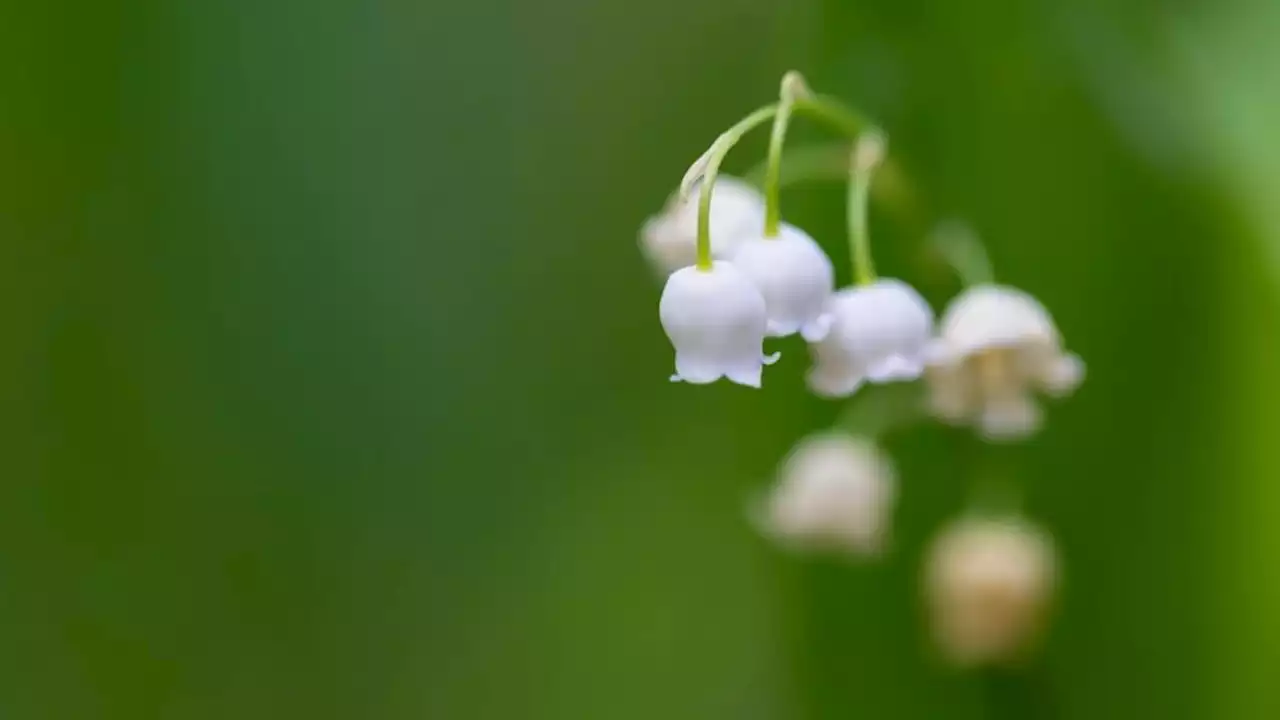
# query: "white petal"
884,327
1010,417
715,320
773,328
938,353
817,329
985,317
793,274
834,491
951,393
1063,375
831,381
696,370
669,240
895,368
834,373
748,375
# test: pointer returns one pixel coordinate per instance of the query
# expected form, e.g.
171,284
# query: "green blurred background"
332,385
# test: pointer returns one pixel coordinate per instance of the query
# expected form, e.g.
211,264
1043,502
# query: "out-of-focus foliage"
332,384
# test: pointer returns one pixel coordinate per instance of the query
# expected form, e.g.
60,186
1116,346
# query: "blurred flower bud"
794,275
879,333
988,585
669,240
997,346
870,150
715,320
834,492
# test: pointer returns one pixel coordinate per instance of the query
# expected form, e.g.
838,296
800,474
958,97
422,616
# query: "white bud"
796,278
989,583
869,150
834,492
997,346
715,319
880,333
669,240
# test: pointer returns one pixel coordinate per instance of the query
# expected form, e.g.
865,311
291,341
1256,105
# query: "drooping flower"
879,333
834,492
997,346
796,278
988,585
715,320
669,240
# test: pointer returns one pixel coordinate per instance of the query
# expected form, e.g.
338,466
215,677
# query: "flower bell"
879,333
988,585
715,319
834,492
997,346
669,240
796,278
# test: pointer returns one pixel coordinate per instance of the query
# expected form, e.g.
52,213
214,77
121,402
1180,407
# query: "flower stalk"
868,153
707,167
793,89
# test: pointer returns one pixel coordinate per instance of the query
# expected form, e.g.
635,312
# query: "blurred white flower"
988,584
715,320
834,492
997,345
879,333
669,240
796,278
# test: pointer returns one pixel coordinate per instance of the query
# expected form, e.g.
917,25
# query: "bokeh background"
331,383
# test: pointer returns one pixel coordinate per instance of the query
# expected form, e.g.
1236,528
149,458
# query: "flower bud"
997,346
834,492
988,584
796,278
669,240
715,320
879,333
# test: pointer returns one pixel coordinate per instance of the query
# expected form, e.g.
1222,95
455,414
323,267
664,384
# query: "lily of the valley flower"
988,585
997,346
715,319
669,240
834,492
796,278
879,333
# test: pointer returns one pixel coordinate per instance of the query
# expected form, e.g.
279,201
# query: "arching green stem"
961,248
703,173
705,177
793,88
867,155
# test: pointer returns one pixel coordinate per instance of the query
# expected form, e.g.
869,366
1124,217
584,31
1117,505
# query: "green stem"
867,154
832,112
831,161
714,157
825,109
773,175
961,248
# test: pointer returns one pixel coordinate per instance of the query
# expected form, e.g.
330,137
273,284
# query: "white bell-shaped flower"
989,583
669,240
796,278
834,492
997,346
879,333
715,319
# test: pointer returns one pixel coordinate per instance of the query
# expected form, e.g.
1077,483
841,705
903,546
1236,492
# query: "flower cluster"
737,275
